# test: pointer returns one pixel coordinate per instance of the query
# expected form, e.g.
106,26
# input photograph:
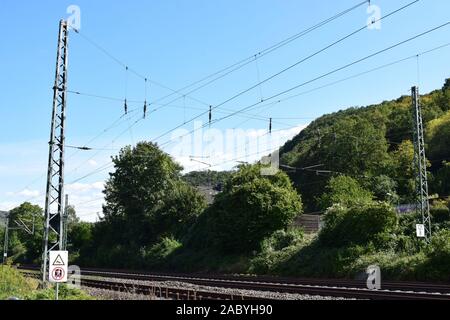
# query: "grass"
296,255
14,285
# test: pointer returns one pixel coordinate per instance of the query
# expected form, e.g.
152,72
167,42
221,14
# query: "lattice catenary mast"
54,200
420,165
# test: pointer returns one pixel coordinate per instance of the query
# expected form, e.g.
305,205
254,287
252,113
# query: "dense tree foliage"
207,178
250,208
357,224
372,145
146,199
26,224
345,191
438,138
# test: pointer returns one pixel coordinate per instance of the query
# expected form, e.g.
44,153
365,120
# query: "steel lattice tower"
420,165
54,200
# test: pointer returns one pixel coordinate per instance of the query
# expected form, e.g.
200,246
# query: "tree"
351,142
145,200
345,191
441,180
250,208
403,170
207,178
79,239
26,236
383,188
357,225
438,138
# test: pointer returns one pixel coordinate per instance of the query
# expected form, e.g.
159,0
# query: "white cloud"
93,163
29,193
84,187
24,193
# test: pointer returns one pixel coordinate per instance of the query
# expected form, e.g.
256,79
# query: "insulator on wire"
125,106
145,109
145,102
210,115
270,126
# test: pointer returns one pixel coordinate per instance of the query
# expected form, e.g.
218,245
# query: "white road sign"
58,265
420,229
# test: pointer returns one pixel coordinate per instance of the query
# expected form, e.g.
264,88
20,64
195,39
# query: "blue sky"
175,43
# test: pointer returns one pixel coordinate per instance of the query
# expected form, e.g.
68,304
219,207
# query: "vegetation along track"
320,287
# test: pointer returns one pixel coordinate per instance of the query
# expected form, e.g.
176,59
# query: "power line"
363,73
287,69
104,147
268,50
238,65
329,73
319,77
358,61
273,103
221,110
128,68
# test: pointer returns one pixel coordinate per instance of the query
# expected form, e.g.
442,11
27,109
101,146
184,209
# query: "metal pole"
6,240
54,200
420,164
65,221
57,292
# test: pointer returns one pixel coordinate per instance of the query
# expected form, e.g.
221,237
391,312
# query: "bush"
357,225
250,209
440,214
14,284
394,265
282,239
276,249
159,252
346,191
65,293
438,265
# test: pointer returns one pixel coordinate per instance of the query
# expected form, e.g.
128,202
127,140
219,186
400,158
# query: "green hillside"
373,145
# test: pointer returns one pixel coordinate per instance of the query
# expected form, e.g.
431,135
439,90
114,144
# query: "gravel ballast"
112,295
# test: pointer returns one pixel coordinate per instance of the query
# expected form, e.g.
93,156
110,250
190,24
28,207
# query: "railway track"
316,287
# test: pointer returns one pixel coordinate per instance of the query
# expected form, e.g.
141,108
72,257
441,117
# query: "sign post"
57,273
420,230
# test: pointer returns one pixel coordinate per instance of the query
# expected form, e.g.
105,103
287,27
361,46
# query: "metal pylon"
420,165
54,200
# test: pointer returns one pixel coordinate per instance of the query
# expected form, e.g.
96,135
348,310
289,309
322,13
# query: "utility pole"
6,240
54,199
420,165
65,220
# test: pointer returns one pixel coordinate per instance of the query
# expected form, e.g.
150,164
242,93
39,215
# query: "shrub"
437,267
357,225
65,293
277,249
14,284
159,252
346,191
282,239
440,214
250,208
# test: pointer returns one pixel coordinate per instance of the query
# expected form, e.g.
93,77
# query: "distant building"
309,223
208,192
406,208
